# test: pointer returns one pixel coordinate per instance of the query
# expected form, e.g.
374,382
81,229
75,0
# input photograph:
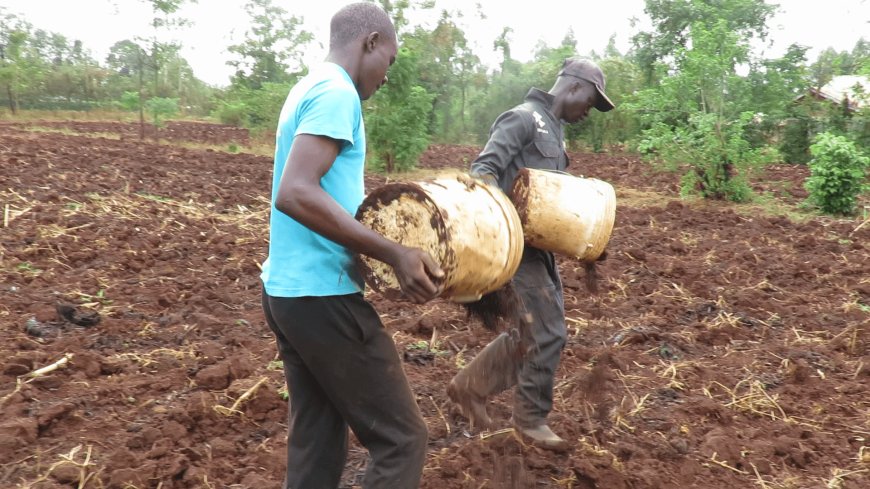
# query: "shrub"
232,113
795,143
397,119
161,108
713,153
130,101
838,172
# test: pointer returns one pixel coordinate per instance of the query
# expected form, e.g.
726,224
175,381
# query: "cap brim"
604,103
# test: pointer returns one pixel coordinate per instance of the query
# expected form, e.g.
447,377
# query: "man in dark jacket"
530,136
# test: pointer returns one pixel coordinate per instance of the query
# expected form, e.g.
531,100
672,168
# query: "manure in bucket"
470,230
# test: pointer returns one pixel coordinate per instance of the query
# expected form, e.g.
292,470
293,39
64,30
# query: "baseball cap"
586,69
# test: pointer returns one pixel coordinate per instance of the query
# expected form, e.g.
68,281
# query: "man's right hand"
419,276
487,178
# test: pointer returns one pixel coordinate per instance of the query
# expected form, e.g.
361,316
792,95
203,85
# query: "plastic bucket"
470,229
564,214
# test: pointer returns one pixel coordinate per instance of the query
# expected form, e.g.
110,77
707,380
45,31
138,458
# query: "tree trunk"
141,103
13,107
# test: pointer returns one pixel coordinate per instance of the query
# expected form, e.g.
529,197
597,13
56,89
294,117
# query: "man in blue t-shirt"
341,366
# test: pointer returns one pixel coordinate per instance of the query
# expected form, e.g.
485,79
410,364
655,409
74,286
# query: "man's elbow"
289,202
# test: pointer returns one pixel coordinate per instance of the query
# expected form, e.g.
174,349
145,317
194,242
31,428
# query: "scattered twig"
14,391
758,477
70,459
441,413
860,226
490,434
836,481
234,409
724,464
48,368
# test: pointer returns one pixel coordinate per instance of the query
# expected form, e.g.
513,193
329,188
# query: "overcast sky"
220,23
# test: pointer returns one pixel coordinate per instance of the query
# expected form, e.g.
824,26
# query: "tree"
21,67
696,116
824,68
601,130
672,24
272,49
396,117
162,20
447,68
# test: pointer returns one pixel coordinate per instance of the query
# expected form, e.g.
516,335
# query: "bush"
795,143
715,153
161,108
254,109
233,114
396,130
838,172
397,118
130,101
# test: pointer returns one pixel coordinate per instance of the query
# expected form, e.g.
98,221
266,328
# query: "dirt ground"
728,347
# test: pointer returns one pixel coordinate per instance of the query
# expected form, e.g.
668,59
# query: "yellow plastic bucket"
470,229
564,214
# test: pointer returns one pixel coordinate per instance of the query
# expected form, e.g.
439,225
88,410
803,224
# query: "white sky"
220,23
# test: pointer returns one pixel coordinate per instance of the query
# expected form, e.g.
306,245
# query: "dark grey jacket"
527,136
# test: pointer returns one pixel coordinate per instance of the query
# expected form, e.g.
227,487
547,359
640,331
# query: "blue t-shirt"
302,262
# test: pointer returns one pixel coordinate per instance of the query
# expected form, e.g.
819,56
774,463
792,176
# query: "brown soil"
728,347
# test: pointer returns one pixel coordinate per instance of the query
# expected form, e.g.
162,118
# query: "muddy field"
728,347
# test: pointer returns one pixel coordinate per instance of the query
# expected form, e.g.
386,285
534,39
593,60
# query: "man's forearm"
315,209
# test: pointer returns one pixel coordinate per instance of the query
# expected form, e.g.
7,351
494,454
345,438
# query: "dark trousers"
539,343
343,370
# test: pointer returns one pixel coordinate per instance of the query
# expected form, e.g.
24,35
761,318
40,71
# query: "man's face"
375,64
579,101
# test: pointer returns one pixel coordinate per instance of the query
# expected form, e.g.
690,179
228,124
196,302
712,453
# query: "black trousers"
539,288
343,370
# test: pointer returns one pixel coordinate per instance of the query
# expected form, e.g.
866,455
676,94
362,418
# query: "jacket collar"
543,98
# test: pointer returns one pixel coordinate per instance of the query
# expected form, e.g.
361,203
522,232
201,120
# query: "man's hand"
487,178
419,276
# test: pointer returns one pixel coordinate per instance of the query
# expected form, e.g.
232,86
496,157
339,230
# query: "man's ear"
372,41
576,86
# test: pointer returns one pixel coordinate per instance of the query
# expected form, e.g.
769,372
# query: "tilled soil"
728,346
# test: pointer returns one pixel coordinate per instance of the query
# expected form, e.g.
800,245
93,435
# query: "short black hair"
359,19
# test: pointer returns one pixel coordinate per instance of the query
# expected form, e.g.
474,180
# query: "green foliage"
397,117
253,108
603,130
272,48
673,19
130,101
450,72
161,108
695,59
795,144
714,155
509,87
838,174
232,113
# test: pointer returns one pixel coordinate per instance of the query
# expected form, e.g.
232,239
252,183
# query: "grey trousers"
528,359
343,370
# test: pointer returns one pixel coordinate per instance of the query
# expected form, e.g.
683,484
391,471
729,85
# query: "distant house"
851,90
